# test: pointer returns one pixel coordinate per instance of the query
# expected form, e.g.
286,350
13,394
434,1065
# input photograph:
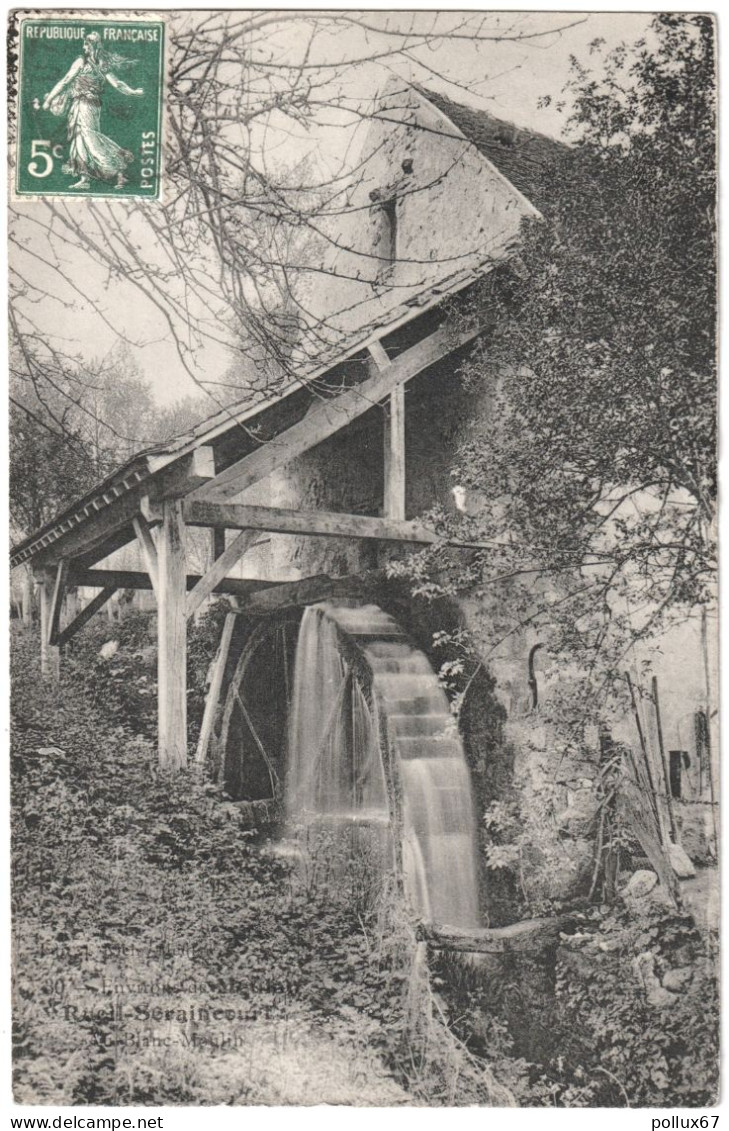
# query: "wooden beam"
219,570
528,935
179,478
213,695
394,435
378,353
217,542
149,551
330,416
307,591
133,579
49,654
324,523
105,548
54,613
85,614
172,639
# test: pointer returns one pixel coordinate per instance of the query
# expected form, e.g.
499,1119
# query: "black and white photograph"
363,603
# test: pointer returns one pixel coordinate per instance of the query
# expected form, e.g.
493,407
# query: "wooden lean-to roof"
100,521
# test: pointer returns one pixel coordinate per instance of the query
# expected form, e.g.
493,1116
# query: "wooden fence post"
172,638
27,599
395,456
50,655
216,683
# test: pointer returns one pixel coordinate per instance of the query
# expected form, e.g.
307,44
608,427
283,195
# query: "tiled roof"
524,156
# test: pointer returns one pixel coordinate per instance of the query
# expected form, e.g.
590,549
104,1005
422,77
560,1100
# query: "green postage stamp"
90,97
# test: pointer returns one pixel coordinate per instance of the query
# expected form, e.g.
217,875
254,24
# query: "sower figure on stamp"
91,153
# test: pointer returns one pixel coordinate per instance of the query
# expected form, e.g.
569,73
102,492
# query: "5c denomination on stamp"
90,96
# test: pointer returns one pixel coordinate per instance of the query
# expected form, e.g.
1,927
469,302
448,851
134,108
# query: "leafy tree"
70,424
597,466
50,459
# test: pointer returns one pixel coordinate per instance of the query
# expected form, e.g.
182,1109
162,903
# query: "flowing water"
335,769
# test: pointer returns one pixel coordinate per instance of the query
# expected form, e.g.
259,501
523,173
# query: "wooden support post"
27,596
149,551
172,639
219,569
217,543
50,656
394,500
213,696
56,605
71,604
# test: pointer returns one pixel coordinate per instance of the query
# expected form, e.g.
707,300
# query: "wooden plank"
217,542
103,549
85,614
172,639
324,523
378,353
101,528
528,935
330,416
49,653
177,479
213,695
149,551
394,435
133,579
54,613
219,570
309,590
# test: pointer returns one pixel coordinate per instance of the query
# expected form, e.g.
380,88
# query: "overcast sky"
508,78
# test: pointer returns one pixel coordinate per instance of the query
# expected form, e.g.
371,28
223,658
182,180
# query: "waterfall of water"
335,768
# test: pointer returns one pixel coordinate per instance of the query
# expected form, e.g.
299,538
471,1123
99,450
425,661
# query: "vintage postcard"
362,389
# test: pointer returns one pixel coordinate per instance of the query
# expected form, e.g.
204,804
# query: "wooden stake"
216,683
50,656
394,499
664,762
172,639
709,766
54,612
27,596
646,760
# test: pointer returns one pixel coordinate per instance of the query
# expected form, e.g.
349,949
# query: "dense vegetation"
141,901
593,476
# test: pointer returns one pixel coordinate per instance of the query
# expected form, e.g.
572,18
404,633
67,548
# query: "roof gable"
457,217
524,156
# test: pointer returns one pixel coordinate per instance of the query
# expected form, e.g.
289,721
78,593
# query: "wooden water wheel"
386,749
